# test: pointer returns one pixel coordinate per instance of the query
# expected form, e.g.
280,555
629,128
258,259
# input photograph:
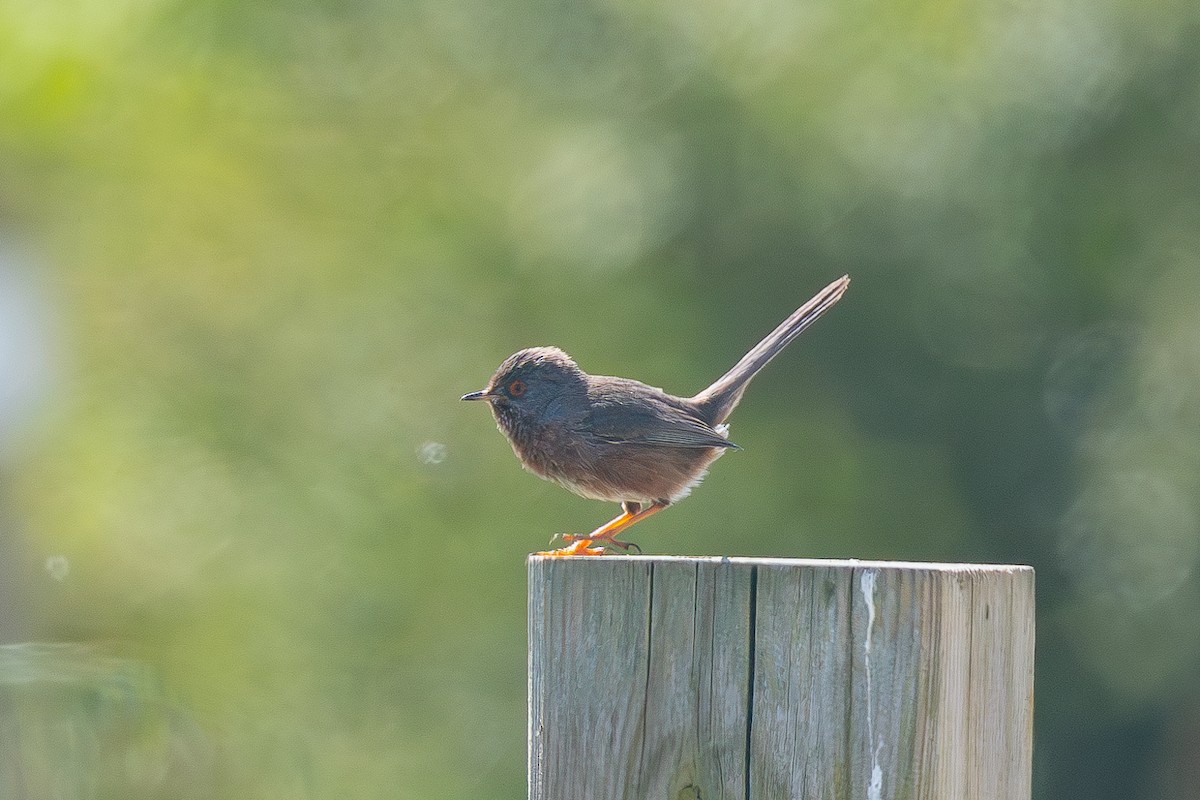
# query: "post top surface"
795,563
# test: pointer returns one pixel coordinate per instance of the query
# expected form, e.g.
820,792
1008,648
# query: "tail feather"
717,402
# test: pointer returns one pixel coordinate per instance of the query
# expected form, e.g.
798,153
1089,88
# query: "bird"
620,440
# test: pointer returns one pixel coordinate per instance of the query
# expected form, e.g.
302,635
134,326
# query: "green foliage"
266,246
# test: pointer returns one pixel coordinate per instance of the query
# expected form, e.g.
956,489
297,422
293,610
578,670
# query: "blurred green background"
251,544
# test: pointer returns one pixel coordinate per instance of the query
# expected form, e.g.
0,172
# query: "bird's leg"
604,535
628,510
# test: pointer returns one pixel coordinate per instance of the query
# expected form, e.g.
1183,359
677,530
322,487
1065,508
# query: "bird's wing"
620,417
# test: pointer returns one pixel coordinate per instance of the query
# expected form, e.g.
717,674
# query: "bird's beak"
482,394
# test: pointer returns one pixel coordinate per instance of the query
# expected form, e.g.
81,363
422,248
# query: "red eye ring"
516,388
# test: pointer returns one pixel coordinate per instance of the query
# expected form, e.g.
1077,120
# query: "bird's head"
529,381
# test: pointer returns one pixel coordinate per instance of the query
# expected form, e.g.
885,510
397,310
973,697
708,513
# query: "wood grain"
723,678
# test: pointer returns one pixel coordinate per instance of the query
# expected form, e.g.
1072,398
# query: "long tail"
717,402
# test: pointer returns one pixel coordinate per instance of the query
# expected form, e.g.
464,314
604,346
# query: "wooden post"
661,678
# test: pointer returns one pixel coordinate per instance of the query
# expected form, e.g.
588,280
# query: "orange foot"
578,547
605,540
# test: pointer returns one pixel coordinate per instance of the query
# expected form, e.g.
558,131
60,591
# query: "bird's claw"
578,547
606,541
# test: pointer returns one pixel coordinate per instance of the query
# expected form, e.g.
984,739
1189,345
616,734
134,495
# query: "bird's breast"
611,471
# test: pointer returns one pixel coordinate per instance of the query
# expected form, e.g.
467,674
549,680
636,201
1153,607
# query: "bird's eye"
516,388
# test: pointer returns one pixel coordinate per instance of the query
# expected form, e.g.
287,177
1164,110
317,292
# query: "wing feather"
627,412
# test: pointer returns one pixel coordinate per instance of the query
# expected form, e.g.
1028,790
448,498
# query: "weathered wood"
660,678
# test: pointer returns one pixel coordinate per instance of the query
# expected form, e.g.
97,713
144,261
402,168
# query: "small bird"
620,440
